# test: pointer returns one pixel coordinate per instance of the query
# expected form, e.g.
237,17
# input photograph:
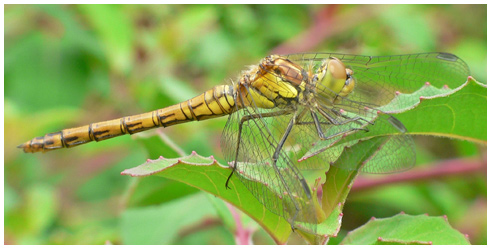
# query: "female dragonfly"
281,109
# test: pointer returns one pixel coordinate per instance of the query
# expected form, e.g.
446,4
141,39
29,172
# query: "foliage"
69,65
207,175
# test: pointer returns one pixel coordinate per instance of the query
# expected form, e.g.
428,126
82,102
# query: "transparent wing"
249,141
357,116
377,78
319,134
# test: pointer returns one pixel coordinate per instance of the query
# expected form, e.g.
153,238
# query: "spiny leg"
347,119
356,120
321,134
302,180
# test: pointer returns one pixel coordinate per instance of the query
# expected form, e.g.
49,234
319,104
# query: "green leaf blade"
206,174
460,115
406,229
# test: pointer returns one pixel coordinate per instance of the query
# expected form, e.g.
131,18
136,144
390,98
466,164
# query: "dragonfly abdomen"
215,102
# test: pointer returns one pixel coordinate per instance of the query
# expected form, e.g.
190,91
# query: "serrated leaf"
460,115
403,229
206,174
454,113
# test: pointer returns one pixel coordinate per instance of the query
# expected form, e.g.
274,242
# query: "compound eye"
337,68
349,76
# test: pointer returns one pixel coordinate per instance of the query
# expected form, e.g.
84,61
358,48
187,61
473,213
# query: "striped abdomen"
216,102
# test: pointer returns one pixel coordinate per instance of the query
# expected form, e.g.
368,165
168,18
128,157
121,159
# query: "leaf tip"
427,83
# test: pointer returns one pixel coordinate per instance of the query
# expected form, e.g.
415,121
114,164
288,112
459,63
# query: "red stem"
442,169
242,235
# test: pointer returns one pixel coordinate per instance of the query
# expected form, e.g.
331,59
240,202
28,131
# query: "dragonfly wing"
343,129
249,141
378,78
395,155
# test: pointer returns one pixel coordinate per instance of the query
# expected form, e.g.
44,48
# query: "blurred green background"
69,65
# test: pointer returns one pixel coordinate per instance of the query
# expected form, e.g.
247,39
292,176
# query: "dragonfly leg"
347,119
275,158
298,175
321,133
247,118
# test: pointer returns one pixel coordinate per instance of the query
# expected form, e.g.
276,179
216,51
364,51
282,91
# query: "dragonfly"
291,113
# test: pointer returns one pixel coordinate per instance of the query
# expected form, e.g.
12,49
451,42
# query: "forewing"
249,141
378,80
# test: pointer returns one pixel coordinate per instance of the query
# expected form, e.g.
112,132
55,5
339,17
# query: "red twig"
443,169
243,236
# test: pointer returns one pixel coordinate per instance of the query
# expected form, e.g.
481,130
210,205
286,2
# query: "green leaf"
167,220
35,215
461,114
206,174
454,113
403,229
339,179
149,191
115,31
337,185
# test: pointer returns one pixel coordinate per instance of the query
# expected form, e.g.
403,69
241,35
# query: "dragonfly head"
334,79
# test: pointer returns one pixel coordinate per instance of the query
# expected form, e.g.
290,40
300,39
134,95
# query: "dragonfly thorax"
275,82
